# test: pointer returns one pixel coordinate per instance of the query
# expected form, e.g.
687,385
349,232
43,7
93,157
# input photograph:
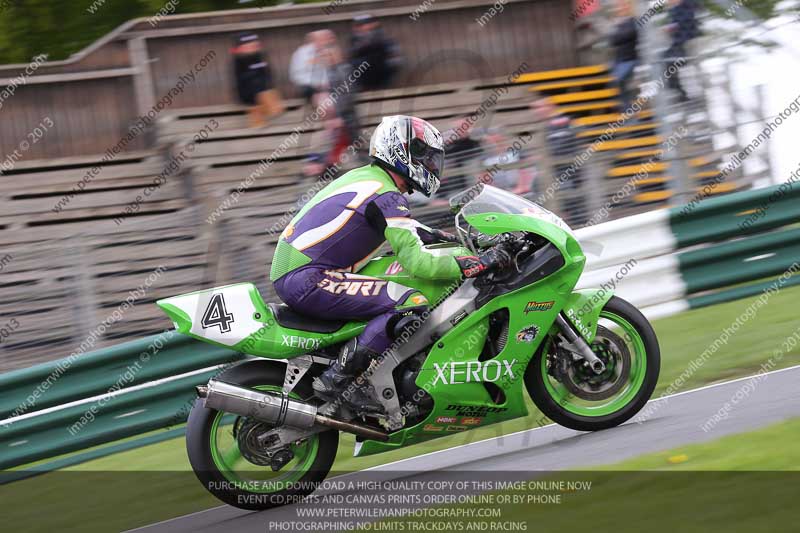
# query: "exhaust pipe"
274,409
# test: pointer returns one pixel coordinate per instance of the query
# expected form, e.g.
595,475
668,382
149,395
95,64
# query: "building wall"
93,99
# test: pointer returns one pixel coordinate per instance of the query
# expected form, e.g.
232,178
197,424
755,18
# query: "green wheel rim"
563,397
304,456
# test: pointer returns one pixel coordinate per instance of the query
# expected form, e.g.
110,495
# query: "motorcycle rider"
318,255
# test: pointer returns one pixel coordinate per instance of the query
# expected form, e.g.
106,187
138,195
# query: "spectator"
306,70
462,146
337,104
254,80
624,39
370,45
590,30
561,142
560,137
502,155
683,28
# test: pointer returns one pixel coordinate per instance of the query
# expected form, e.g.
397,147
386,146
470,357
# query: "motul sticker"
446,420
538,306
473,371
431,427
471,421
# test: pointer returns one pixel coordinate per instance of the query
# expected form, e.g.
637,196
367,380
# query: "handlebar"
519,248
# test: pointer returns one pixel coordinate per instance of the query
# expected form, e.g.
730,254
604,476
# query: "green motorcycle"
257,437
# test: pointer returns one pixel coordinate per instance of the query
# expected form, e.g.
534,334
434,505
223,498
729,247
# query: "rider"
337,232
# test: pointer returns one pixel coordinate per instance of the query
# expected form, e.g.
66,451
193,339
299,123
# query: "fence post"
84,291
595,185
143,79
766,155
659,69
546,177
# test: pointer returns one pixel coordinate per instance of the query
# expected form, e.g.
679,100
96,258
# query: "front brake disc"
581,381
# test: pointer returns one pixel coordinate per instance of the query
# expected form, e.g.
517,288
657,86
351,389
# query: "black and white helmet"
413,148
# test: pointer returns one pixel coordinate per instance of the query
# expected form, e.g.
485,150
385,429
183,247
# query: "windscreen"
488,199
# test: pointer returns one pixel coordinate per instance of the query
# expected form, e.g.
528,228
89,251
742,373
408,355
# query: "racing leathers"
318,256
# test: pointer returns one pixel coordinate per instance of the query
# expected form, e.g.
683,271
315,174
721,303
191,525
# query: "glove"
494,258
431,236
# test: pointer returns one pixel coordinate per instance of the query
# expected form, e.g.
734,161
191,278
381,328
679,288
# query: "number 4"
217,315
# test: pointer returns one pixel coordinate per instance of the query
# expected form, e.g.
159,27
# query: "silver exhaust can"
273,408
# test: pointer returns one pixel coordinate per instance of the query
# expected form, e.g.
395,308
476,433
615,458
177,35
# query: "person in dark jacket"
462,147
339,101
624,39
562,143
683,28
370,45
254,84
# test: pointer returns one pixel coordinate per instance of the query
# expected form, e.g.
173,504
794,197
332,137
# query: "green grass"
682,338
722,485
770,448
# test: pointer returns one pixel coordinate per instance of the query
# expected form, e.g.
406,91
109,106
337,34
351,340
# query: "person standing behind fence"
341,119
306,69
561,142
254,83
503,163
683,28
463,146
370,45
624,40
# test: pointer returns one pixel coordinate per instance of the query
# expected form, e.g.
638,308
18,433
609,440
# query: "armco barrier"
91,423
730,263
691,256
103,396
74,378
735,215
132,388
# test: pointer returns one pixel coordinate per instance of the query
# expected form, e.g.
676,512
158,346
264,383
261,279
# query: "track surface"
674,421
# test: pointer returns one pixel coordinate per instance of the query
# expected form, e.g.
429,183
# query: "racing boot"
336,381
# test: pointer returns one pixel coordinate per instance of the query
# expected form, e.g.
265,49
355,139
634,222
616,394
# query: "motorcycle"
257,436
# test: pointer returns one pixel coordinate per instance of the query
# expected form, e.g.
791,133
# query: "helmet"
411,147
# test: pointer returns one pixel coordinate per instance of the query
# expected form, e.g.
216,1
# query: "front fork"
577,345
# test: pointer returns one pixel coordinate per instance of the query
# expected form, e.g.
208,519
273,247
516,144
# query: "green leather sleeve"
426,263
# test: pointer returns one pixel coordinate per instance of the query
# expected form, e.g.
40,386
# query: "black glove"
495,258
432,236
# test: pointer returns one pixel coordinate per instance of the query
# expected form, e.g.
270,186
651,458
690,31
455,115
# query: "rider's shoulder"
393,204
383,183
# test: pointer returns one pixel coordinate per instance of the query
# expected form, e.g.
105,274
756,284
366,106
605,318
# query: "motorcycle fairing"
235,316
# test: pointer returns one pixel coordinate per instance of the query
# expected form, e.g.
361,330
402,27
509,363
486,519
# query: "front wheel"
227,460
572,395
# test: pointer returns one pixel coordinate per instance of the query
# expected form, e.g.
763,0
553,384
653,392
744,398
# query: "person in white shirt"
307,71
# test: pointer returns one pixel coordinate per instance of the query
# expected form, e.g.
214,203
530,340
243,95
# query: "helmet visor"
429,157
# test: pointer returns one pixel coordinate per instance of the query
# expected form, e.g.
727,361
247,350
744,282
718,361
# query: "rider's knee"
406,322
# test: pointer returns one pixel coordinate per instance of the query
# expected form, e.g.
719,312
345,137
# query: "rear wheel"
572,395
228,461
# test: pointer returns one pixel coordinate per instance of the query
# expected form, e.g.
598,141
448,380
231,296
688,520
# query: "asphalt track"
672,421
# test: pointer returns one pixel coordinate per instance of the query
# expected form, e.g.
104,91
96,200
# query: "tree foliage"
764,9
